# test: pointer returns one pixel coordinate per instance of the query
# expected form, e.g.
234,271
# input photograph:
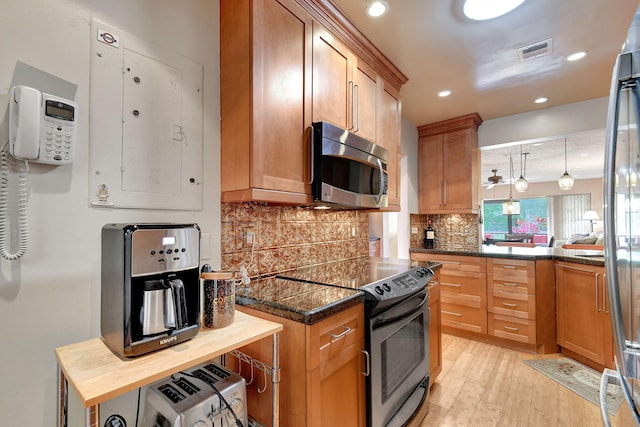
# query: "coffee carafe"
158,309
150,286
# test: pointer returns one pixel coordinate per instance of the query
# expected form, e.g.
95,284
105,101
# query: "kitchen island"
539,299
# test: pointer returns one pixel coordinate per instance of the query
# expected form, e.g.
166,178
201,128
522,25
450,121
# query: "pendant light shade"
522,184
511,207
566,181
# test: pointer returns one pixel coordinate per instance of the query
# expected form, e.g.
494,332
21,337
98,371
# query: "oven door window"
402,352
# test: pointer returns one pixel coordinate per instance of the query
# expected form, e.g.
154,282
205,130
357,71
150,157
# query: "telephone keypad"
57,140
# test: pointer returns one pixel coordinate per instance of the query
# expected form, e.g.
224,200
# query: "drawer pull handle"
511,285
448,262
453,285
511,267
336,337
451,313
511,328
509,304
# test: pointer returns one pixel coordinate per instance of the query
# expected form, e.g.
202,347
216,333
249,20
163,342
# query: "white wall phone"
42,129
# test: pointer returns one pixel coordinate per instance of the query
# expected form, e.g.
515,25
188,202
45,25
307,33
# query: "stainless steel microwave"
348,171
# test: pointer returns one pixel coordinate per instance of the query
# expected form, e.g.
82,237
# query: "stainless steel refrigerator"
622,227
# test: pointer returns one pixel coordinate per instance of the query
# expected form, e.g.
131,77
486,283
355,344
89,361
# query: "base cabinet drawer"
463,317
512,328
511,304
460,282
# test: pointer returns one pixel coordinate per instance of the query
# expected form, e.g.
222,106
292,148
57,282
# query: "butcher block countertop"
98,374
588,257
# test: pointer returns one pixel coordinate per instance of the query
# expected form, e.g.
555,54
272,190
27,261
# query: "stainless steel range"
397,330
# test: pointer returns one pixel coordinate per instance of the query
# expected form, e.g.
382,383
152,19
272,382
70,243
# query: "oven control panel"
400,285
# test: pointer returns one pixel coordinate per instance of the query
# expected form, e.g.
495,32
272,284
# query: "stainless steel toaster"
204,395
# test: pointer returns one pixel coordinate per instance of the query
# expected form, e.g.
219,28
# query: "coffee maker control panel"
168,249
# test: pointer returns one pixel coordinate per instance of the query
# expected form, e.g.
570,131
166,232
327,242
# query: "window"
533,219
567,212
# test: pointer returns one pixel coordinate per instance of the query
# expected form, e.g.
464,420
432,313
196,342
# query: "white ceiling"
437,48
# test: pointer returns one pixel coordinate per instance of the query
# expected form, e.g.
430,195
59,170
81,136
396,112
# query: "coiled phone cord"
4,203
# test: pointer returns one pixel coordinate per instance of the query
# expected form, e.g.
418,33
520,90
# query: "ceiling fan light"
521,185
480,10
566,181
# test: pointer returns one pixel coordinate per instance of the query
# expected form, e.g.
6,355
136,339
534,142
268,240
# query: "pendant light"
521,184
566,181
511,207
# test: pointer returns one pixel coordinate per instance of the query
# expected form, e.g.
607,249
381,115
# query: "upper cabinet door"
265,71
390,124
430,174
365,102
333,84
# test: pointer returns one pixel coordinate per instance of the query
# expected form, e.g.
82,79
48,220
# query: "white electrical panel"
146,124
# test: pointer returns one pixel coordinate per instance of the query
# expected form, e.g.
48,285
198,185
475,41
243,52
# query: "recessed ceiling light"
480,10
576,56
377,9
541,100
444,93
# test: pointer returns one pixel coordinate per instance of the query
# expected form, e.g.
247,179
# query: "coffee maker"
150,291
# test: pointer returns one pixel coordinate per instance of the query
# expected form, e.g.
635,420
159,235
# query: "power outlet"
249,237
414,230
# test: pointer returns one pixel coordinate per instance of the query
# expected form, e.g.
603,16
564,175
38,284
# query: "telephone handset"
42,129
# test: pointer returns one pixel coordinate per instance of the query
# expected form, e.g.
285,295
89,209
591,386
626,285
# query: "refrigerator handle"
609,376
598,293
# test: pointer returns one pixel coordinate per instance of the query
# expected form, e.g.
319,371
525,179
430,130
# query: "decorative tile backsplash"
452,231
287,237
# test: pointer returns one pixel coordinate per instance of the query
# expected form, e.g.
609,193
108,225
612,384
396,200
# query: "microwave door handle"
381,192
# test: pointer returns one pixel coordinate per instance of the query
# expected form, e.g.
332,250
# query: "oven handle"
378,323
367,372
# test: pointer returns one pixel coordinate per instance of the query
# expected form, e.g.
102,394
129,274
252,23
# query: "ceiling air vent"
535,50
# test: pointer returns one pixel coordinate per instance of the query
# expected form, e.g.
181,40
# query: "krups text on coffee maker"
150,296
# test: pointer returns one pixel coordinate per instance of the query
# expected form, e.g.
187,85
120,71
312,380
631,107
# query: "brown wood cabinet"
280,70
521,303
584,324
499,300
389,136
449,166
265,94
435,329
321,376
463,292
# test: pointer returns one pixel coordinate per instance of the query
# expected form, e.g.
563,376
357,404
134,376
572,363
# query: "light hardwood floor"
486,385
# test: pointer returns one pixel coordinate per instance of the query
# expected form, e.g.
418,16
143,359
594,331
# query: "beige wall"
51,296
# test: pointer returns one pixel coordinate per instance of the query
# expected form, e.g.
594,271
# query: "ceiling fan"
493,179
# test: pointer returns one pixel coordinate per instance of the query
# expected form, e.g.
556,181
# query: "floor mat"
580,379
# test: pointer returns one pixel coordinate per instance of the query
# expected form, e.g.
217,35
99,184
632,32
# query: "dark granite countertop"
588,257
302,302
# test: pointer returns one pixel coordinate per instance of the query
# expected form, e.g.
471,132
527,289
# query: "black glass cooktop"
355,272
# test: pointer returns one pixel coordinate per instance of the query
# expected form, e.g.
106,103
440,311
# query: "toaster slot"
202,375
217,371
171,393
187,386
